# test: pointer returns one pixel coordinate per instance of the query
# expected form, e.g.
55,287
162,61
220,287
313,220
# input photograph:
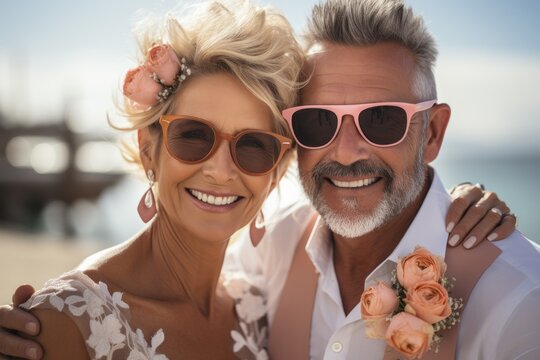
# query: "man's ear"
146,150
437,123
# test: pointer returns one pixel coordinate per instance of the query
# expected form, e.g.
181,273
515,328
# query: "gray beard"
398,194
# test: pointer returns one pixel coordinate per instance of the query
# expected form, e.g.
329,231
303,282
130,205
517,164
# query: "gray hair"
368,22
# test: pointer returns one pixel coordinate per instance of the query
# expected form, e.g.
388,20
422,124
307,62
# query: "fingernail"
454,240
470,242
31,327
492,236
450,227
31,353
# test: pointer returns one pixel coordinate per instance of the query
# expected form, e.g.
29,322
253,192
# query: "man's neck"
356,258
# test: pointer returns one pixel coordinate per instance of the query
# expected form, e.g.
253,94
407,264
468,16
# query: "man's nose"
349,146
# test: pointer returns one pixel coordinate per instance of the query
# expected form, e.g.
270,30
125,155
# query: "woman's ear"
146,150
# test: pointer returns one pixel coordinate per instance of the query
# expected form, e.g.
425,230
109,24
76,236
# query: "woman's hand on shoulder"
476,215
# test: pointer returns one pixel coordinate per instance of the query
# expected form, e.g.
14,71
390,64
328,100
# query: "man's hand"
13,320
476,215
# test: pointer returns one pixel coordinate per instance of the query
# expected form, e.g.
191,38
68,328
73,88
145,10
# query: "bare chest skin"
191,331
188,333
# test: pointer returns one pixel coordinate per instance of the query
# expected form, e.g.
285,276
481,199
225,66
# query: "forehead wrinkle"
333,88
367,73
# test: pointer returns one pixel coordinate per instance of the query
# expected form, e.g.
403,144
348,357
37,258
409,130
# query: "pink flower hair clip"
159,77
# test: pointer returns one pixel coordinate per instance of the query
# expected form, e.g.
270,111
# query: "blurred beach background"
64,192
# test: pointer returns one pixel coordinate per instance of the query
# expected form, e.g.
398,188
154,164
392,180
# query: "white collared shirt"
500,321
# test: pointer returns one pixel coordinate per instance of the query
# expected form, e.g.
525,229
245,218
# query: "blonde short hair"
256,45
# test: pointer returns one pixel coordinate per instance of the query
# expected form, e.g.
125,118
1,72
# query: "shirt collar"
319,246
428,230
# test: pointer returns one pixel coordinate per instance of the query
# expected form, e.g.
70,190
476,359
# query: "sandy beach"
32,259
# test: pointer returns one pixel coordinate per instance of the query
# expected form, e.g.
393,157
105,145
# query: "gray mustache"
357,169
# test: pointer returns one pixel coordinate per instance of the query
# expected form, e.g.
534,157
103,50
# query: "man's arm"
13,320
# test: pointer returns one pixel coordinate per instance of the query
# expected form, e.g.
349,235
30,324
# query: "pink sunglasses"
381,124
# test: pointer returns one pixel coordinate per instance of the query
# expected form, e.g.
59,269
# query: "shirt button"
337,347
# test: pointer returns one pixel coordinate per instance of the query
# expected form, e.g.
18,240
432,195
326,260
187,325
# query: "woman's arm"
59,336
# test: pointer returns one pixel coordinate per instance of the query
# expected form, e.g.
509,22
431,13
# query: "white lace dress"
102,318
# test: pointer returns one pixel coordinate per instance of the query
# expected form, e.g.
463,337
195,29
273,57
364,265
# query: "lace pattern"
250,307
103,318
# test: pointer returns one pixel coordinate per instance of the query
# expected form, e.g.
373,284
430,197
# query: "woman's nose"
220,166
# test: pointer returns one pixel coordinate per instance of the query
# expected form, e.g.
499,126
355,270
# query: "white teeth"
353,184
213,200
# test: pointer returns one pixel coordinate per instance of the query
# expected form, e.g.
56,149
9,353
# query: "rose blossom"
429,301
378,300
140,87
163,61
409,335
420,265
376,304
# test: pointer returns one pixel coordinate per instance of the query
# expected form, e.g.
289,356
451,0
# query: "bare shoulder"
119,265
59,336
102,257
114,258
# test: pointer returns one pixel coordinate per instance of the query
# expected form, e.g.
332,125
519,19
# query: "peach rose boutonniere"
409,312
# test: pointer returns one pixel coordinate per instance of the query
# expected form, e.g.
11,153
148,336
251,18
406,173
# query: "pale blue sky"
50,26
488,68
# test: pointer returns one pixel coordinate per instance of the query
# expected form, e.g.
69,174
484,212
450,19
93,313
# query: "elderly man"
367,129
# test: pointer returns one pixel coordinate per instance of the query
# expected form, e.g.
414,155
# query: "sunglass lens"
190,140
314,127
257,152
383,125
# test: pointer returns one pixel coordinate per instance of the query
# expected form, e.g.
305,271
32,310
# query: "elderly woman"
206,104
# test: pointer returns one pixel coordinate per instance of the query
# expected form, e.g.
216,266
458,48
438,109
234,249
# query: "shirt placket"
349,337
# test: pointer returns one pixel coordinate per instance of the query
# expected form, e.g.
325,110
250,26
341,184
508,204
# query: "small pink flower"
162,60
140,87
429,300
378,300
376,304
409,335
420,265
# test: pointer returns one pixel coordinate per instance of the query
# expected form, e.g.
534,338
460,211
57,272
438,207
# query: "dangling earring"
257,229
259,220
147,206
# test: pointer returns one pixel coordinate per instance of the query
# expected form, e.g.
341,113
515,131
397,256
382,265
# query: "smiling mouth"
354,184
213,199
